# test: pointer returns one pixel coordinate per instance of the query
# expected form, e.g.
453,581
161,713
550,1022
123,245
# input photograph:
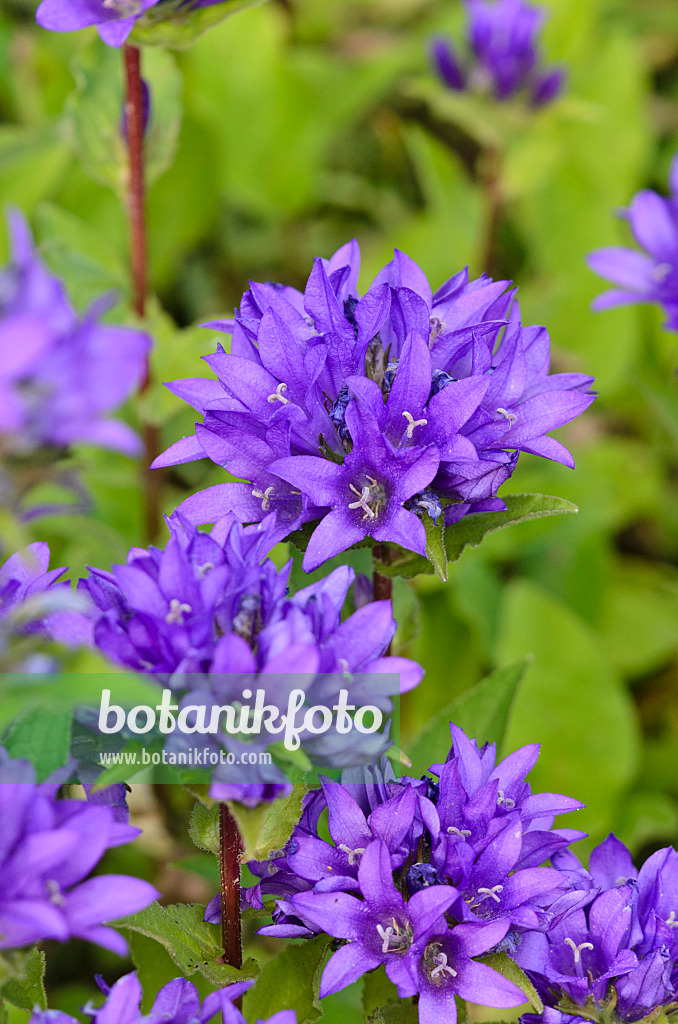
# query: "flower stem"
491,166
382,586
230,843
134,109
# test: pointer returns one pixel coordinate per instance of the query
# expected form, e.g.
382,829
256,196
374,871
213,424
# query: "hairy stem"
491,166
382,586
229,866
134,110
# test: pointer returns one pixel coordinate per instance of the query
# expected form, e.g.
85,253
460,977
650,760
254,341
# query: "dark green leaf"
204,827
435,546
482,712
25,988
290,981
268,827
154,965
193,945
509,969
41,736
378,991
402,1012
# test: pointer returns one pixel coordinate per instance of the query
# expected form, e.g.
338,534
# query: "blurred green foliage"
303,123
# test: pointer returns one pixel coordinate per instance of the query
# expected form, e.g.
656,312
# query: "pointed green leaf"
290,981
26,988
435,546
204,827
509,969
176,26
268,827
482,712
41,736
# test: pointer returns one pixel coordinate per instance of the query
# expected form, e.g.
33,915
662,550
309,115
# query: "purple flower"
60,374
650,276
36,606
209,615
503,55
373,414
178,1002
113,18
48,847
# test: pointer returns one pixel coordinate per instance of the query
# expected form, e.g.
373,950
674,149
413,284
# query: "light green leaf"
41,736
378,991
509,969
25,987
482,712
290,981
204,827
176,26
435,546
193,944
268,826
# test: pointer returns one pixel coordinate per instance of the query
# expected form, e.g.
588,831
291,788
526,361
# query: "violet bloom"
373,415
60,373
36,606
48,848
177,1002
209,615
619,950
503,54
652,275
114,19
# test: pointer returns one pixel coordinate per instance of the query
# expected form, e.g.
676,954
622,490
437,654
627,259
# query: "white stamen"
661,272
177,610
437,327
126,8
671,920
352,854
510,416
54,890
576,949
265,497
204,569
385,935
463,832
505,801
412,423
443,967
362,502
277,397
490,892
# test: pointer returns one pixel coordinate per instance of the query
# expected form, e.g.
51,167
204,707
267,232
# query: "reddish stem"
382,586
134,109
229,866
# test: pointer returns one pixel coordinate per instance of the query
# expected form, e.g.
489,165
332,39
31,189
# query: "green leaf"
204,828
25,988
472,530
402,1012
268,826
193,944
94,114
176,26
509,969
290,981
435,546
154,965
41,736
378,991
483,712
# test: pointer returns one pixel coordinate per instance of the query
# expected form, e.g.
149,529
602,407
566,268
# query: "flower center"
510,416
177,611
277,396
370,498
265,495
576,949
671,920
505,801
437,327
463,832
485,893
54,890
412,423
436,963
204,569
125,8
394,939
443,967
353,855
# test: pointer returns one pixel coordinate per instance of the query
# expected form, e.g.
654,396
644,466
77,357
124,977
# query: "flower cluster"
650,276
48,847
35,605
370,414
209,615
618,954
178,1002
503,56
114,19
422,875
60,373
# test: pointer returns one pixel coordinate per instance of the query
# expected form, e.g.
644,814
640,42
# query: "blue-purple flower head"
209,615
367,414
60,374
114,19
502,55
423,876
652,275
48,848
36,607
617,952
177,1002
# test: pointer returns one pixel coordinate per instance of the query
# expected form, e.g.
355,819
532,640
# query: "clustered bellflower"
114,19
618,954
60,374
502,56
366,415
650,276
177,1002
48,848
209,615
36,606
424,875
